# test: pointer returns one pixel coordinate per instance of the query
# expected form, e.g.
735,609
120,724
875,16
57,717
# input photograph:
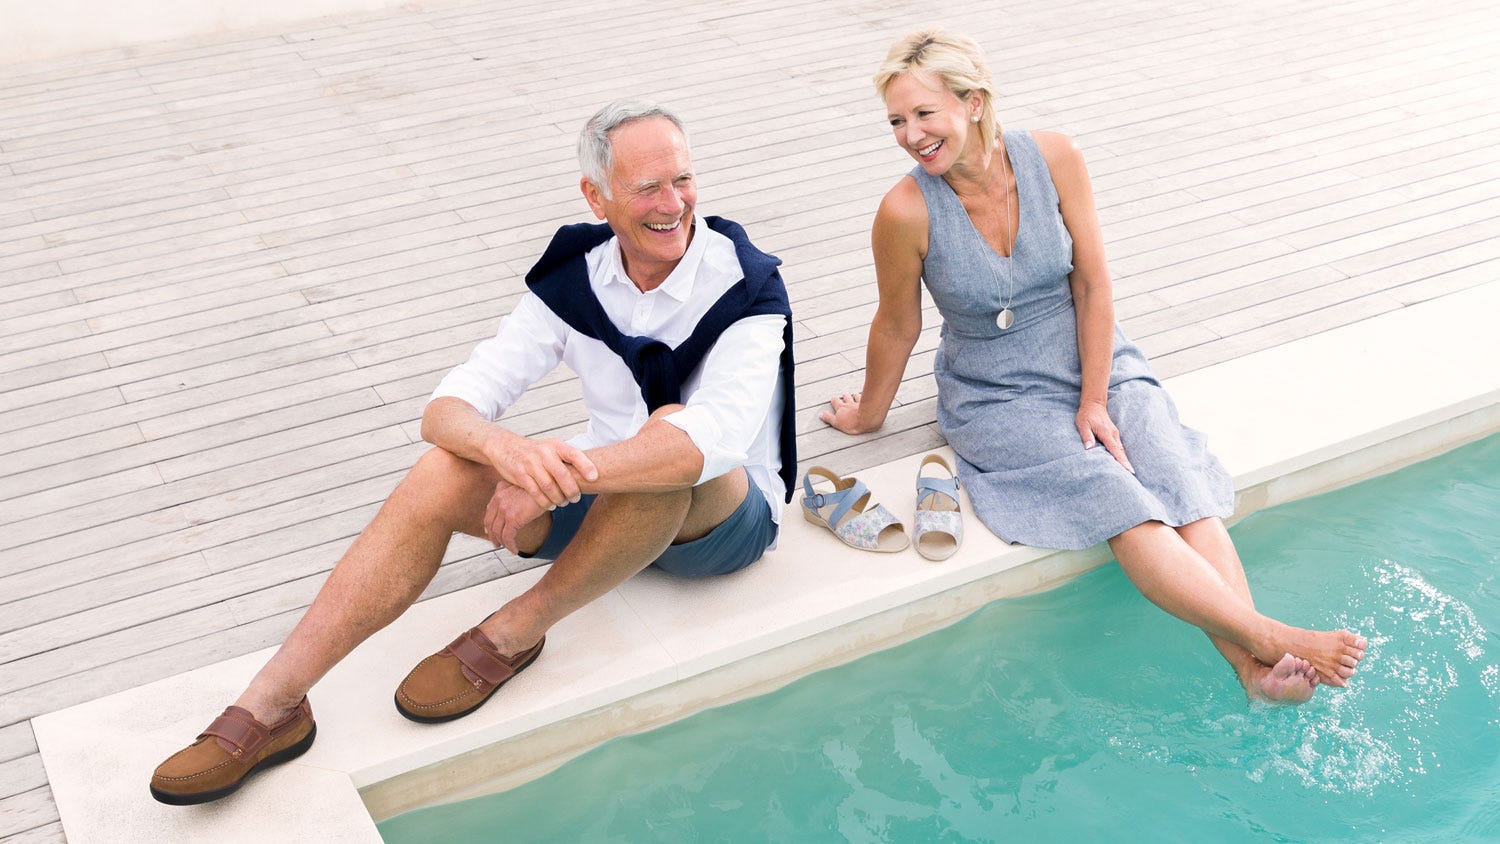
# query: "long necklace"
1006,318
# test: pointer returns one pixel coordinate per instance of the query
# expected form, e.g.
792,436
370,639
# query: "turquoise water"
1086,713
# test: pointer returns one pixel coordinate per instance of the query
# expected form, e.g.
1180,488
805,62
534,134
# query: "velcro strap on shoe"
477,655
238,727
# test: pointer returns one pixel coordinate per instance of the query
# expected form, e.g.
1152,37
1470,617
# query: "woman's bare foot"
1334,654
1291,680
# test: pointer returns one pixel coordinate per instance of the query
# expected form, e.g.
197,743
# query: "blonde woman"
1064,436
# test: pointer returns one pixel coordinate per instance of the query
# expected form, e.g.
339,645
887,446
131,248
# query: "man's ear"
593,196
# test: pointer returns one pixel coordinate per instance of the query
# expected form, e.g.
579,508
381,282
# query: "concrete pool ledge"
1304,417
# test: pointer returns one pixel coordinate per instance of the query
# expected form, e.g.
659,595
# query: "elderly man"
680,332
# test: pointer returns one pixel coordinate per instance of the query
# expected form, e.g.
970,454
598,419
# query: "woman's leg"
1292,679
1181,580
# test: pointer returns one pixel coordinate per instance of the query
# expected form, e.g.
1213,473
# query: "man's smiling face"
652,195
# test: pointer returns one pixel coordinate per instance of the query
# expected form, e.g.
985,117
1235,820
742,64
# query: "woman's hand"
843,414
1094,425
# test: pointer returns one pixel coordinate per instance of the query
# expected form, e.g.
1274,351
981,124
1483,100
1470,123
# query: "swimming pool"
1086,712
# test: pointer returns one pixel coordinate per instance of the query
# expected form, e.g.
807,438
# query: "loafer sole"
193,799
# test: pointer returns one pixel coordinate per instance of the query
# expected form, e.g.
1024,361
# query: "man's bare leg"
1175,577
622,534
396,556
377,579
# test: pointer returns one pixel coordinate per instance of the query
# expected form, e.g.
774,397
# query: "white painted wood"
16,741
21,814
51,833
21,775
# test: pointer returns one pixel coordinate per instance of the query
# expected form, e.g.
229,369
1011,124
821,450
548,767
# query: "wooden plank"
26,282
41,85
277,476
94,442
205,605
1274,334
38,541
1442,284
99,248
67,690
212,425
16,740
281,525
51,833
23,418
1167,316
106,589
44,303
46,373
21,775
22,813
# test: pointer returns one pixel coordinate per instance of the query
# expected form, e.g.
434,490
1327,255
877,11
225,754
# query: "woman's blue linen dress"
1007,399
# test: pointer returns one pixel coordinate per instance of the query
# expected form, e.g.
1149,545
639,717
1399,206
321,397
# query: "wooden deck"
231,271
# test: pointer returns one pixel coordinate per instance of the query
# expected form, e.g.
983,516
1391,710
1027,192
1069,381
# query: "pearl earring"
974,119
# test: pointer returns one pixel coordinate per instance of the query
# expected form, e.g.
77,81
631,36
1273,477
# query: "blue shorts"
737,542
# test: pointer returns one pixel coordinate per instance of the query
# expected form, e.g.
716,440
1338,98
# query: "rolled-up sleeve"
527,346
736,393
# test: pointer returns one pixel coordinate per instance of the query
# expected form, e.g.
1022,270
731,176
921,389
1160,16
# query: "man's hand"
543,469
509,510
540,468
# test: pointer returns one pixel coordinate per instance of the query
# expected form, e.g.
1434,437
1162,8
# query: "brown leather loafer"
454,681
233,747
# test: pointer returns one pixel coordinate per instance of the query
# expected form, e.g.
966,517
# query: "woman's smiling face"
932,125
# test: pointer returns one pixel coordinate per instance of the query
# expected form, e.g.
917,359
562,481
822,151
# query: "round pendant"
1005,319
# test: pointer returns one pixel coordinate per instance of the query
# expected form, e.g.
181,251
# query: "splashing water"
1086,713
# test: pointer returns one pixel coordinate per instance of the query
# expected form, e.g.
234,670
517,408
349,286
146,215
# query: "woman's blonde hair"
935,55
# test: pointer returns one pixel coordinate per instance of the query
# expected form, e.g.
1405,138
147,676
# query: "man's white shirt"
732,402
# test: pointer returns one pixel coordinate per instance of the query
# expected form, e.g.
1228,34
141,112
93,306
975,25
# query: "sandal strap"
843,498
240,729
940,486
807,482
846,499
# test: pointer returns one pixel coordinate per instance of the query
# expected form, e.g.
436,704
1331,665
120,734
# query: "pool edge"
525,757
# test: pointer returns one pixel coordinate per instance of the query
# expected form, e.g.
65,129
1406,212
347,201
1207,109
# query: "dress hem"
1105,535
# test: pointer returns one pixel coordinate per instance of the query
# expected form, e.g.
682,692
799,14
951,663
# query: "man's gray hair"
595,155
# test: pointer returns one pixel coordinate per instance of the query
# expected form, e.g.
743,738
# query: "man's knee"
731,544
441,467
713,501
442,478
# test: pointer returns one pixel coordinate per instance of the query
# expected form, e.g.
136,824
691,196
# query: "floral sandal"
939,523
846,511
